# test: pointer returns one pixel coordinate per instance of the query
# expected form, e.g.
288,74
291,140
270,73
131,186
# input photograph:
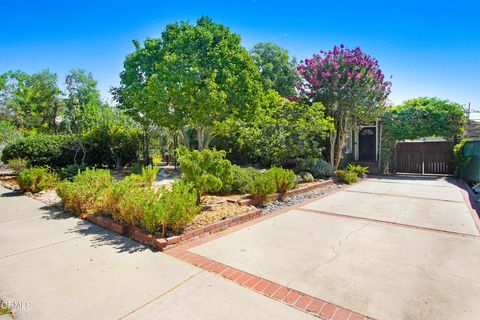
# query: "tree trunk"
146,144
204,137
333,137
185,138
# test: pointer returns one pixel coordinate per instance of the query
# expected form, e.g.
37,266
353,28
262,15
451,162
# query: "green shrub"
242,178
208,169
461,161
357,169
284,179
85,194
41,150
69,172
149,174
136,168
174,209
262,187
346,176
317,167
306,176
17,164
111,145
37,179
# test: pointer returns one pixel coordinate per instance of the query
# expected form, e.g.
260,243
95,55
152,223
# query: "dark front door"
366,147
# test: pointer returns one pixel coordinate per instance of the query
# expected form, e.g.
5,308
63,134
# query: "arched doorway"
366,144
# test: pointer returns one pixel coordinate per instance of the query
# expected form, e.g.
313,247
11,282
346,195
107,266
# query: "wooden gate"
425,157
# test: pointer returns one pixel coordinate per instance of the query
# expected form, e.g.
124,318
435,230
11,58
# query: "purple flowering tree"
351,86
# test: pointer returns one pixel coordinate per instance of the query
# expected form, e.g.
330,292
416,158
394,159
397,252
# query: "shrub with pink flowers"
351,86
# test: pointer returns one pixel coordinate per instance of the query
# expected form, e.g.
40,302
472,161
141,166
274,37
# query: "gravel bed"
280,204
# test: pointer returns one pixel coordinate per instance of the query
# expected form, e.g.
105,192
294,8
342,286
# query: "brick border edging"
472,205
290,193
162,243
275,291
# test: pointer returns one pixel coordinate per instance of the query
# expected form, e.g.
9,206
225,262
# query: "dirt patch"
215,213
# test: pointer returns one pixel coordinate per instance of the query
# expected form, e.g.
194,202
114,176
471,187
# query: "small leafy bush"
207,170
461,161
317,167
242,178
357,169
347,176
37,179
69,172
262,187
284,179
136,168
174,209
149,174
86,192
306,176
17,164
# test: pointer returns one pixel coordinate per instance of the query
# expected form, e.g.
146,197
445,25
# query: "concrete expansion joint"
41,247
161,295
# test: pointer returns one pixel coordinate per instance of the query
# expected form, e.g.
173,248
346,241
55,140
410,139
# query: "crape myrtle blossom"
342,69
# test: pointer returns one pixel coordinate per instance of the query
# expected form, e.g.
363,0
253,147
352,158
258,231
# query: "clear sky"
430,48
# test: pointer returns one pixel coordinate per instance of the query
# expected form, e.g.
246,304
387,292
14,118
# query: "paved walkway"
67,268
389,248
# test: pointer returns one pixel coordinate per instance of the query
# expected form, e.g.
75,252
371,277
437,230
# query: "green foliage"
306,176
195,75
262,187
461,161
41,150
317,167
284,179
174,210
149,174
208,169
70,172
136,168
85,194
278,71
37,179
17,164
111,145
424,117
31,101
242,178
347,176
283,131
8,132
357,169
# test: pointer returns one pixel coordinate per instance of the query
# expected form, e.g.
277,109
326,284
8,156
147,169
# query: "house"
429,155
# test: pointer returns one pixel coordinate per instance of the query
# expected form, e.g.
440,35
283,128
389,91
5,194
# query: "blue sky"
430,48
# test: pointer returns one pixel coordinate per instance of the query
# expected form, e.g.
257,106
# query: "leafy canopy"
197,76
277,69
424,117
283,130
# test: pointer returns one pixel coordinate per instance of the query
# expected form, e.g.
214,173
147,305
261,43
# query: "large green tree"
278,70
31,101
195,76
83,105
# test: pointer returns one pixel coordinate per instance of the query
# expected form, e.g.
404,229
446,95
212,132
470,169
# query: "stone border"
161,243
290,193
275,291
470,200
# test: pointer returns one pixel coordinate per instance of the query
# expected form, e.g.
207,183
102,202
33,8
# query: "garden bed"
306,187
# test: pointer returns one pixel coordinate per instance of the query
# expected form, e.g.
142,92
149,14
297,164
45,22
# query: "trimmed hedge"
103,146
41,150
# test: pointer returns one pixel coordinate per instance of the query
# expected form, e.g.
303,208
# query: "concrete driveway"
55,266
387,248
